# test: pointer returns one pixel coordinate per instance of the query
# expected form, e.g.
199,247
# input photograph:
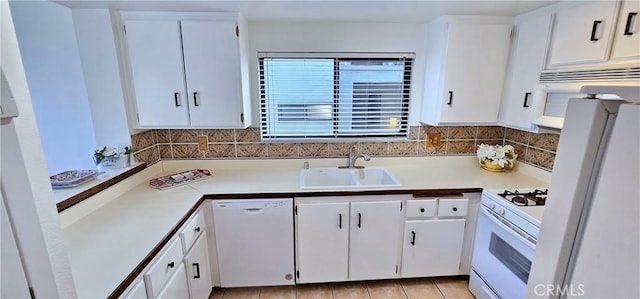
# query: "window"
324,95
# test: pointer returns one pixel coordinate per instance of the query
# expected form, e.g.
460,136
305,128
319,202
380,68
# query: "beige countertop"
110,233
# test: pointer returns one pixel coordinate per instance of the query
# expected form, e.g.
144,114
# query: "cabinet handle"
413,238
450,98
176,97
340,221
170,265
594,29
197,229
526,100
359,220
196,267
195,99
627,28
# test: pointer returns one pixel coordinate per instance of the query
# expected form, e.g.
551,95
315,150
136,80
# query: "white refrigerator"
589,241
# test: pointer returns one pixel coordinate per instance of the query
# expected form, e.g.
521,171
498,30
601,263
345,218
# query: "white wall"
97,50
24,183
339,37
47,41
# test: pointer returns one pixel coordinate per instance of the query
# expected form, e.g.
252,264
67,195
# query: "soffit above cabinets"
420,11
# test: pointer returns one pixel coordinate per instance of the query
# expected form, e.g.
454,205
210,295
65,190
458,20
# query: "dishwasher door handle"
253,210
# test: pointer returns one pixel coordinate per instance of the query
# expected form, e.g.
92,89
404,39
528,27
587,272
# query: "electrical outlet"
203,143
433,139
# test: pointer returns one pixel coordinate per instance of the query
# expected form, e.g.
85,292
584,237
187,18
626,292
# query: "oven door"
501,256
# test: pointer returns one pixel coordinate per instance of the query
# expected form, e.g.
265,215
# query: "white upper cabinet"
186,70
626,43
466,66
528,55
155,55
583,34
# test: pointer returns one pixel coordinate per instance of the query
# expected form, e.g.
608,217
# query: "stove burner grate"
534,198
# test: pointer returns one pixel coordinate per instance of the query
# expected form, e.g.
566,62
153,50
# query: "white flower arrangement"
111,153
503,156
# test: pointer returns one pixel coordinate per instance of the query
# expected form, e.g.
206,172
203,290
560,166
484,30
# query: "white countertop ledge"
110,233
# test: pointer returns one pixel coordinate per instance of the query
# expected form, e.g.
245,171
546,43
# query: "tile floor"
442,288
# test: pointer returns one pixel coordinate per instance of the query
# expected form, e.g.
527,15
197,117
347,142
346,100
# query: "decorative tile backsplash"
154,145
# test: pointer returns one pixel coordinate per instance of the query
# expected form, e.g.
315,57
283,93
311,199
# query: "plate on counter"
72,178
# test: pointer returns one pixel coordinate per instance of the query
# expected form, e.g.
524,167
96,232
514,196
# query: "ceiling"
399,11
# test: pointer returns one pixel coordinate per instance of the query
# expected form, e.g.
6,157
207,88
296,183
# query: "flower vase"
132,159
98,162
487,165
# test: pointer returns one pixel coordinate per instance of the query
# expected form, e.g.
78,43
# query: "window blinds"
334,95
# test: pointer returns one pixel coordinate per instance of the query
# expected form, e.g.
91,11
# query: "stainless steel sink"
343,178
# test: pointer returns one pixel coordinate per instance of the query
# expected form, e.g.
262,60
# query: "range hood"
556,87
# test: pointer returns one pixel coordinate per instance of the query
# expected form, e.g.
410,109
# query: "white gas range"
506,236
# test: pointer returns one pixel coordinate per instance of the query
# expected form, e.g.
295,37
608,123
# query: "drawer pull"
171,265
421,210
197,229
413,238
455,209
196,267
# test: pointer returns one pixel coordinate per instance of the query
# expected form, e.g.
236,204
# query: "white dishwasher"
254,241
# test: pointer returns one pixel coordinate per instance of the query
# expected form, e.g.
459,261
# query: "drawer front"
453,207
191,231
421,208
164,266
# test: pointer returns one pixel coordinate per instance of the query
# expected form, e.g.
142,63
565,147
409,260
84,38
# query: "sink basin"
342,178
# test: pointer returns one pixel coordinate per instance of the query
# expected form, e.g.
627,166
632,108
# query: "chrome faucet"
351,163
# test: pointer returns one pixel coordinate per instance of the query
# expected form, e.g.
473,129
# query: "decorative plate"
72,178
178,179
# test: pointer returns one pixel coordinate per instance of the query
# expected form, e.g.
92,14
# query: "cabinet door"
198,270
212,64
157,71
137,291
322,241
475,70
374,246
177,286
626,43
582,34
432,247
527,60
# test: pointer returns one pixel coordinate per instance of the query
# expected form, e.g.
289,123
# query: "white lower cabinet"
163,268
433,241
136,291
348,238
177,286
198,271
181,269
322,242
432,247
375,235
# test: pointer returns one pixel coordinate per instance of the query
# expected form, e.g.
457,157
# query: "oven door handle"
512,229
